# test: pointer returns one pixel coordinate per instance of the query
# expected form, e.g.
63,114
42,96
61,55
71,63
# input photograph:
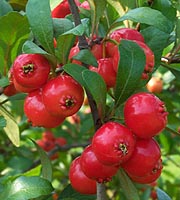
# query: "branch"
83,44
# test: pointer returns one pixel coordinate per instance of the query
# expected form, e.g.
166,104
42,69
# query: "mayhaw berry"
145,114
63,96
149,177
113,143
60,141
118,35
62,9
30,71
48,135
155,85
144,159
79,181
150,60
94,169
36,112
10,90
106,70
85,5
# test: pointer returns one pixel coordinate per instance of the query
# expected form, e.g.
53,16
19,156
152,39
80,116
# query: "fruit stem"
101,192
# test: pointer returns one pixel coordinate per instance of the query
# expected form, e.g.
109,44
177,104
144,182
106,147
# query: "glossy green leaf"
25,188
76,72
128,187
4,7
61,26
11,128
157,40
166,7
45,162
70,194
78,30
97,11
131,66
97,87
12,38
85,56
149,16
162,195
31,47
64,44
39,16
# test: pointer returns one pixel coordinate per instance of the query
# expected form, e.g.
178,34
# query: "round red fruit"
36,112
63,96
106,70
145,114
79,181
94,169
113,143
155,85
144,158
30,71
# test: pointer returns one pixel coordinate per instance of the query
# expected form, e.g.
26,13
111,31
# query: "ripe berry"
155,85
149,59
30,71
36,112
79,181
63,96
145,114
113,143
94,169
144,158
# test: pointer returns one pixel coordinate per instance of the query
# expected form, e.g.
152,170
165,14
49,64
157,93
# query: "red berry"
144,158
95,169
36,112
62,9
30,71
48,135
155,85
10,90
149,59
113,143
79,181
106,70
60,141
63,96
145,114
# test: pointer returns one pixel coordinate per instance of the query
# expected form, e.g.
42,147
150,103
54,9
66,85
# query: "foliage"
27,27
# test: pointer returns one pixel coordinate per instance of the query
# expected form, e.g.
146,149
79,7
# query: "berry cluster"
48,142
131,146
107,54
49,100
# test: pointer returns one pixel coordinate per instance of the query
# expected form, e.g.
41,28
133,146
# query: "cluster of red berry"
131,146
48,142
49,100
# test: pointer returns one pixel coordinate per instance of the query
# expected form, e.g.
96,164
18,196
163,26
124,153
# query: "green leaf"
97,87
39,16
76,72
5,7
12,38
97,11
25,188
131,66
78,30
162,195
45,162
4,81
64,44
31,47
174,68
85,56
11,128
166,7
128,187
70,194
149,16
2,122
61,26
157,40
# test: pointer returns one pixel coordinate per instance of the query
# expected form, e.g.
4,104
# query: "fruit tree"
89,99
